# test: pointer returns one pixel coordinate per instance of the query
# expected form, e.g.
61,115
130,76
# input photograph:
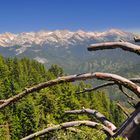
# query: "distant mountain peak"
67,48
56,38
117,31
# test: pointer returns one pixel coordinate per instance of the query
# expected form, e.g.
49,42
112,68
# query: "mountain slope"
69,49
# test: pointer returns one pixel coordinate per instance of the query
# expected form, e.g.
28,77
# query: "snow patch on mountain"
58,38
41,60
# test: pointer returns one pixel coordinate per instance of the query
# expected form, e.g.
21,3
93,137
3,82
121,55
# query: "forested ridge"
46,107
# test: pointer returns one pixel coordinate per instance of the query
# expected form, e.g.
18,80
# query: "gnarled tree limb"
71,78
130,128
113,45
96,114
69,124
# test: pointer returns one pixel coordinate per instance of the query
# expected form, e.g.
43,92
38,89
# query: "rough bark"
126,94
131,103
113,45
135,80
131,127
70,124
72,78
96,114
123,109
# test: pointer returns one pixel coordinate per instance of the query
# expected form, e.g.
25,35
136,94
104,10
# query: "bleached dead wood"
113,45
72,78
67,125
97,87
131,127
135,80
106,85
96,114
126,94
123,109
131,103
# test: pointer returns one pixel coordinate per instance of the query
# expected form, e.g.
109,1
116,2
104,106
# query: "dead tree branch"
105,85
131,103
127,95
70,124
97,87
135,80
130,128
97,115
74,130
113,45
123,109
72,78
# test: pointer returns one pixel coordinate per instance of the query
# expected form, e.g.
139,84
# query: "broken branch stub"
113,45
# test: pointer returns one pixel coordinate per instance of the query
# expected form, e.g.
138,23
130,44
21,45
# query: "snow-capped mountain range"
55,38
62,47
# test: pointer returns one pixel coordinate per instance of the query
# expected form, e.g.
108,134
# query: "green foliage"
46,107
118,138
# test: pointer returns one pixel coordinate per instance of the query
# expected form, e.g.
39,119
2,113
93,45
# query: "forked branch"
97,115
106,85
70,124
113,45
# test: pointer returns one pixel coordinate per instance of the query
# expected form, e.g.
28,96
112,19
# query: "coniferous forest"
47,107
69,70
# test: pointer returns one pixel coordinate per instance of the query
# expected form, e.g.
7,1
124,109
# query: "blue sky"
89,15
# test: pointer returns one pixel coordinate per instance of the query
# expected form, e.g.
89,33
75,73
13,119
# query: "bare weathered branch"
123,109
70,124
2,101
127,95
110,84
96,88
135,80
75,130
113,45
72,78
131,103
96,114
130,128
